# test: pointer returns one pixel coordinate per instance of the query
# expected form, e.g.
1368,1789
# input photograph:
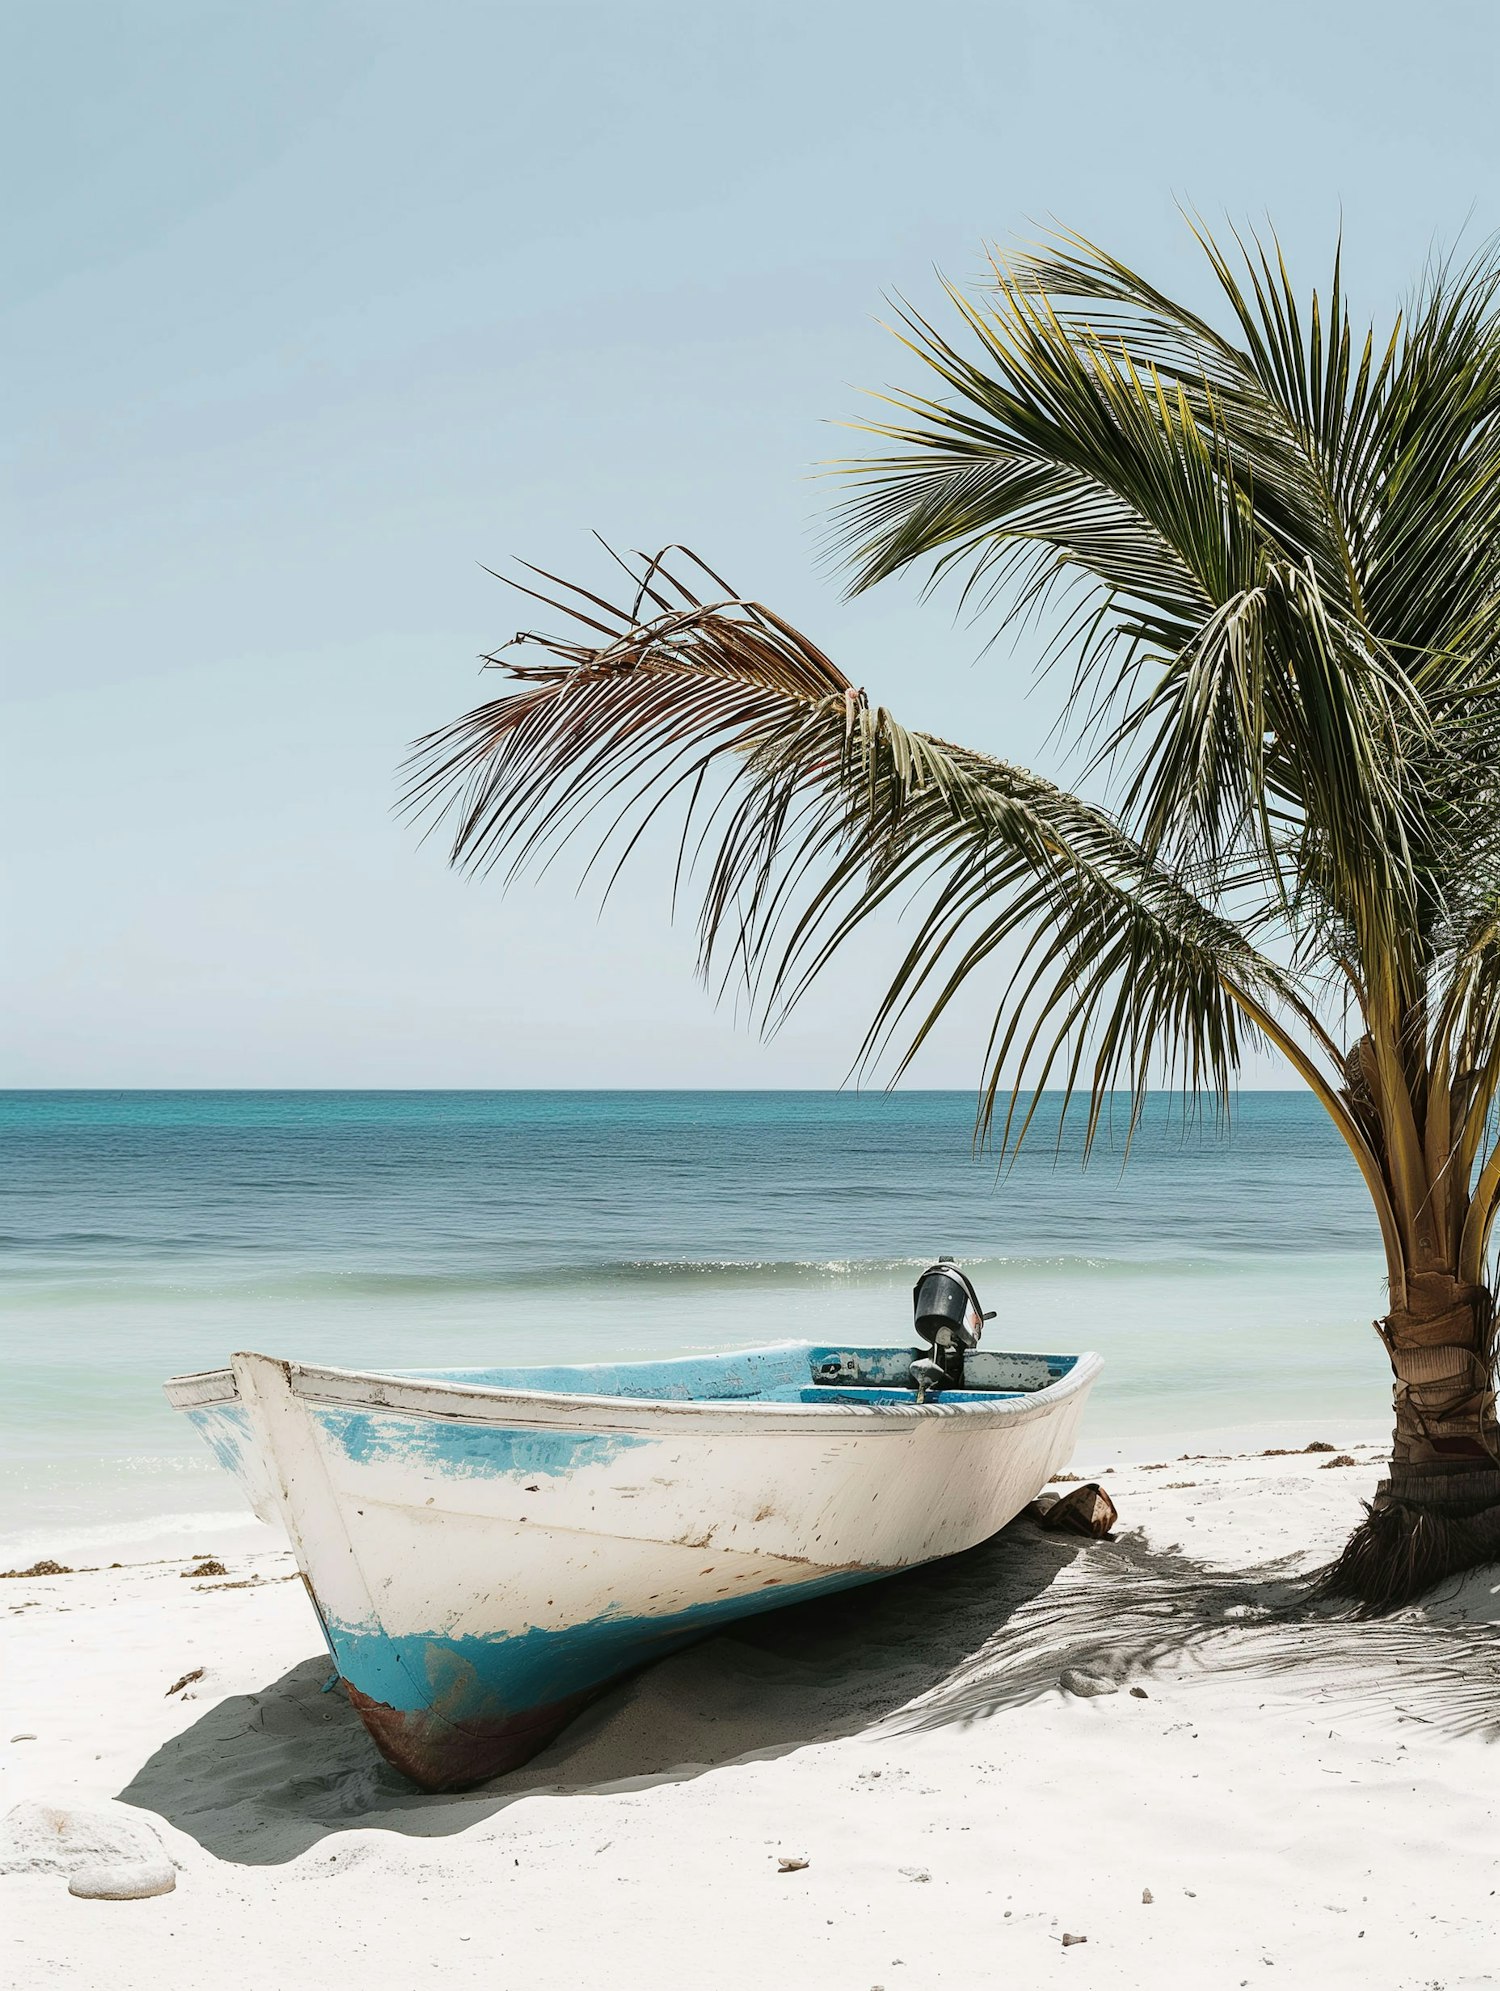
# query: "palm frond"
1184,482
812,810
629,721
1106,972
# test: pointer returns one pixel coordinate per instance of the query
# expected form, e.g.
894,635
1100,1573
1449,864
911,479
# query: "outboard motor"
950,1320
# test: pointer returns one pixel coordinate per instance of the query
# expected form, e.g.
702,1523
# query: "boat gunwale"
485,1404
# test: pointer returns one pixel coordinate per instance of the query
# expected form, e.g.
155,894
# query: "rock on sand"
108,1855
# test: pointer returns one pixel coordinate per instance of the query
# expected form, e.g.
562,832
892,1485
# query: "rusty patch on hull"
441,1755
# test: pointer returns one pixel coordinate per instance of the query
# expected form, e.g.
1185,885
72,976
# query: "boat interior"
795,1372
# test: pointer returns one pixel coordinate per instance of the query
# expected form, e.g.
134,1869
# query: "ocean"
1228,1275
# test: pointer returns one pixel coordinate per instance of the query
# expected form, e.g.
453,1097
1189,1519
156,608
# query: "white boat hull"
484,1559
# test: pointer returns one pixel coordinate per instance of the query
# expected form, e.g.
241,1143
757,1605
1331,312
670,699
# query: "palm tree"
1280,545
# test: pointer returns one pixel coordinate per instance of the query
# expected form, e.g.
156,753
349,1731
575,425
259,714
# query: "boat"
486,1549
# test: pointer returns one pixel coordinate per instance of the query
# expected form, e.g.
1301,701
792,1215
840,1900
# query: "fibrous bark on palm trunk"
1438,1511
1446,1450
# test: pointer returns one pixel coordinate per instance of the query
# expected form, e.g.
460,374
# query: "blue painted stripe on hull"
225,1429
487,1680
460,1450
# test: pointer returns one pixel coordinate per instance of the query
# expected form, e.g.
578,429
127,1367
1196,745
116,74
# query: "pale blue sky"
311,308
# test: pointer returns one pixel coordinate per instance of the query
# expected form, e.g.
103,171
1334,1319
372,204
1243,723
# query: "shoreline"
1277,1787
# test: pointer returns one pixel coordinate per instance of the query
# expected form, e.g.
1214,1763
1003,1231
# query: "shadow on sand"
261,1777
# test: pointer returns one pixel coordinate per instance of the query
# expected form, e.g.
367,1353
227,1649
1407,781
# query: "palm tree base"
1400,1551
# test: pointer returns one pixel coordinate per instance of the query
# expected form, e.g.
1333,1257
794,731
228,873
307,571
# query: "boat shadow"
261,1778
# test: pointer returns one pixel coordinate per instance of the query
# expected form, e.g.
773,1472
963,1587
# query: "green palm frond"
1105,968
1291,532
1227,595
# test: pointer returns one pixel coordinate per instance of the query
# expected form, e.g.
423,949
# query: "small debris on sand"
1139,1694
791,1866
1147,1897
207,1568
1343,1459
1320,1445
186,1681
1068,1941
916,1873
45,1568
1065,1479
248,1582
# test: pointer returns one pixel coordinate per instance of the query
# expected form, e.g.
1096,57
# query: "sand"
1305,1801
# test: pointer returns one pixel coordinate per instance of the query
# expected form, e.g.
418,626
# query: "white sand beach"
1298,1796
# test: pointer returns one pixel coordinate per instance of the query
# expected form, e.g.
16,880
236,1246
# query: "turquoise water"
1228,1278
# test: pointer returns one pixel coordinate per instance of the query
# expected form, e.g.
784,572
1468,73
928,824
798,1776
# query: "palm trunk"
1446,1450
1438,1512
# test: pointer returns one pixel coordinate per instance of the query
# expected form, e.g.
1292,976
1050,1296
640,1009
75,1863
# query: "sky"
312,312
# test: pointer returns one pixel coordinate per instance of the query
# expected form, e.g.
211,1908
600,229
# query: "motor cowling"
950,1320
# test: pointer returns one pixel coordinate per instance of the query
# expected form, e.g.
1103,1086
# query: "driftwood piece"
1083,1510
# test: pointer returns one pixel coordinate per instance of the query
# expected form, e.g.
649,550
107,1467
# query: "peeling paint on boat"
226,1431
486,1549
462,1450
469,1679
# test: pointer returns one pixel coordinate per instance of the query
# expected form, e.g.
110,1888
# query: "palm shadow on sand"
260,1778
